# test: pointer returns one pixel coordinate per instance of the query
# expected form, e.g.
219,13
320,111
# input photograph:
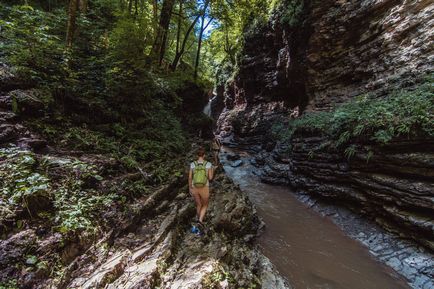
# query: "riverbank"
310,250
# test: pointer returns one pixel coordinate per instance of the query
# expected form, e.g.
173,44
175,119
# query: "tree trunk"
82,6
199,44
178,34
155,11
159,47
71,26
179,53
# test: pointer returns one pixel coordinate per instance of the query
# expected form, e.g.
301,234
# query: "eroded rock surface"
161,251
123,230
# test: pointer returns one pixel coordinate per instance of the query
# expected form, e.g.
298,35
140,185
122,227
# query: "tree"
180,49
71,26
199,44
159,47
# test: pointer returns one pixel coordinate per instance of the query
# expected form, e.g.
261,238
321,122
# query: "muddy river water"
309,250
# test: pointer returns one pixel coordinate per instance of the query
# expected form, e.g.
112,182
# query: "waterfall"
207,109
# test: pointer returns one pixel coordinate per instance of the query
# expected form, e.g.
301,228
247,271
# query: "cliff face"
341,50
366,46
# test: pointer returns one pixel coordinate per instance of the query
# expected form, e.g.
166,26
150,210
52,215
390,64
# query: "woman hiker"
201,172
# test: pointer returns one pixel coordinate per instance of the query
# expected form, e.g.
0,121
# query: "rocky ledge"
392,184
161,252
143,242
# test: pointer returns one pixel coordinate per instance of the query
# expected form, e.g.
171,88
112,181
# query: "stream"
309,250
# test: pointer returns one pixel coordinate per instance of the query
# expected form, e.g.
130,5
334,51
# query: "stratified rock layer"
336,50
393,183
341,50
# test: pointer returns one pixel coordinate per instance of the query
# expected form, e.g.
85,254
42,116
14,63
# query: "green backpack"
199,174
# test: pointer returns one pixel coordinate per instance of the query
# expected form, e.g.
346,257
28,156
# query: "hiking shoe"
202,228
194,229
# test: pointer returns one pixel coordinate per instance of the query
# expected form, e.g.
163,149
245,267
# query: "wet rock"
34,143
401,200
270,280
217,103
7,116
27,102
50,244
237,163
8,132
233,157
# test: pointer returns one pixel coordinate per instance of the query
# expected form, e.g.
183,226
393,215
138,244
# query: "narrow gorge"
325,113
303,104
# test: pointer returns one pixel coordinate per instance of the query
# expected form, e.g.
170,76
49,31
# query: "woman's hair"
200,152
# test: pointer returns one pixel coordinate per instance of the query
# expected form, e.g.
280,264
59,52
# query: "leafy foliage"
288,12
29,41
402,114
9,284
76,205
19,180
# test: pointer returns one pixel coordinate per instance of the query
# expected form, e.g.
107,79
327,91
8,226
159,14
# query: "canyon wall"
332,52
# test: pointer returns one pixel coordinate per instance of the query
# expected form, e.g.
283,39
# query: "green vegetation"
217,275
402,114
30,43
106,90
237,22
288,12
11,284
27,183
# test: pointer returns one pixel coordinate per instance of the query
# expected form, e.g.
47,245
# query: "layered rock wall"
391,184
367,46
337,51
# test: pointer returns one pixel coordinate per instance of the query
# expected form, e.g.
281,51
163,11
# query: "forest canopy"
195,36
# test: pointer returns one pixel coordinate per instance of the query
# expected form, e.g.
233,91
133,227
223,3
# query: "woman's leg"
197,200
204,197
